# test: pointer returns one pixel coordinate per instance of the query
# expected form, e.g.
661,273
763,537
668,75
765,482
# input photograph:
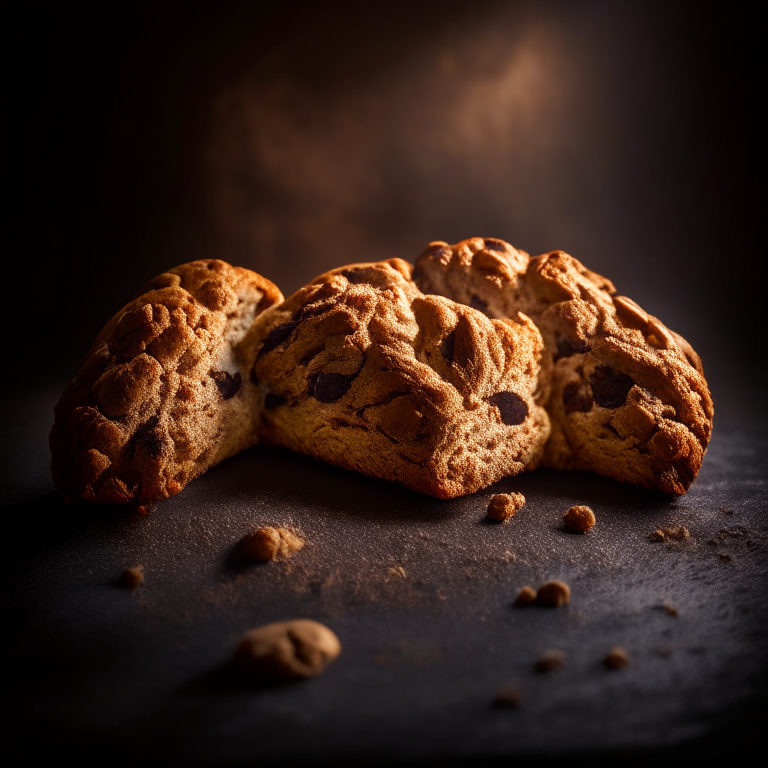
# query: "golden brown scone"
164,393
628,396
361,370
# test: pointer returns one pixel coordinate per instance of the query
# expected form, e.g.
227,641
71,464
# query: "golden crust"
362,370
628,396
164,393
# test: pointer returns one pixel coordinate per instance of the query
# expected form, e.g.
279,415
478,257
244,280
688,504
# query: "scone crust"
163,394
362,370
628,396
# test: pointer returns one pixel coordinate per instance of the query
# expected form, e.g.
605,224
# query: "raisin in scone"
361,370
164,393
628,398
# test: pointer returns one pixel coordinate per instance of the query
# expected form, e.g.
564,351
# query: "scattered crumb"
272,543
503,506
526,596
617,658
664,651
507,698
549,661
287,650
670,534
579,519
670,609
396,572
553,594
726,511
725,559
132,577
144,509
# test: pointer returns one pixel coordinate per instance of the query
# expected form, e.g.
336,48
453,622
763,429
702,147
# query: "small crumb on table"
507,698
617,658
553,594
579,519
549,661
272,543
133,577
503,506
670,534
526,596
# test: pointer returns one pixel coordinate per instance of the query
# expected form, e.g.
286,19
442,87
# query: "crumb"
726,511
144,509
672,534
725,559
132,577
549,661
664,651
553,594
526,596
287,650
617,658
272,543
670,609
503,506
507,698
579,519
396,572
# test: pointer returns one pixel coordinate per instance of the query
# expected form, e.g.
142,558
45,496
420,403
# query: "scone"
361,370
628,397
164,393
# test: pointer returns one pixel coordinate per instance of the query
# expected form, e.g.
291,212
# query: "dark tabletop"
420,593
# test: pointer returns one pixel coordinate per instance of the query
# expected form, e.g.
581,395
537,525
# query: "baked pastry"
362,370
628,397
164,393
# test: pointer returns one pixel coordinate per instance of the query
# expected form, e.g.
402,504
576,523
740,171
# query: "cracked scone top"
628,397
362,370
164,392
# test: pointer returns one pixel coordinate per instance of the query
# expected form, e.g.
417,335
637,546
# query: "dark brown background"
292,138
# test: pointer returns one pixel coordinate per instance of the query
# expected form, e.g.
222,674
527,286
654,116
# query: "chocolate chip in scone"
330,387
228,384
566,347
512,407
492,244
447,346
362,275
149,439
276,337
273,401
577,398
610,388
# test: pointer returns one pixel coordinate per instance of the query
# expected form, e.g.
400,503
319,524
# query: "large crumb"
271,543
503,506
579,519
287,650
